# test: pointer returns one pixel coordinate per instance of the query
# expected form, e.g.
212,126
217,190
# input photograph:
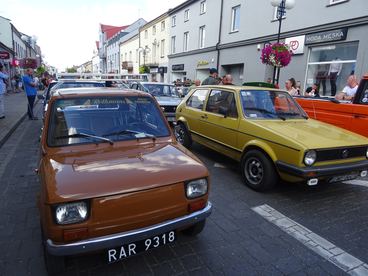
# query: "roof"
111,30
98,91
181,6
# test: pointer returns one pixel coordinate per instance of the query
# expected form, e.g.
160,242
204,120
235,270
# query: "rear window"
76,120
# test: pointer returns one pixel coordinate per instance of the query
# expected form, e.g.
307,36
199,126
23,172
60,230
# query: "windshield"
160,90
264,104
104,119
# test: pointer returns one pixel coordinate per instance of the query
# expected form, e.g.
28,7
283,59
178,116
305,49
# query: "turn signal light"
196,205
75,234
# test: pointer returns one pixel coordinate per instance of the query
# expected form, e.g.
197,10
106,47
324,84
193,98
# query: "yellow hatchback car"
270,134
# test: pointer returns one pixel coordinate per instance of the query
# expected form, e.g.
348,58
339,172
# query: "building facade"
334,41
194,34
129,55
154,47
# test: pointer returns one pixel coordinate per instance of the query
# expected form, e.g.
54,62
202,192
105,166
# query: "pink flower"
277,54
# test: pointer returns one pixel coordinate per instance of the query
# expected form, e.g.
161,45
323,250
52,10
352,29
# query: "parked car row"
106,151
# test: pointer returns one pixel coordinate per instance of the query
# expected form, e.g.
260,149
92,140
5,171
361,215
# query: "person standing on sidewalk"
31,91
3,77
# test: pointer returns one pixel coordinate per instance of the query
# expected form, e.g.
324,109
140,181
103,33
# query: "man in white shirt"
333,73
349,91
3,78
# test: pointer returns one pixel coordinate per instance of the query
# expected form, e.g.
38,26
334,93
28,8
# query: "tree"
71,70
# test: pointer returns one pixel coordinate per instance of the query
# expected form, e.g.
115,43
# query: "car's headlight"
310,157
71,212
196,188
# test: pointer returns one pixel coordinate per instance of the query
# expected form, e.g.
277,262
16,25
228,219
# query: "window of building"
154,30
173,44
186,41
130,56
162,48
197,99
126,57
146,34
202,7
186,15
136,55
163,26
222,99
235,19
329,66
173,21
202,36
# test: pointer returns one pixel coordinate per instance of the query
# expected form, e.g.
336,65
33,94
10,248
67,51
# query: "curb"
6,137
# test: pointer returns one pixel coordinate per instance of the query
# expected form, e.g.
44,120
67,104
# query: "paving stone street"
236,240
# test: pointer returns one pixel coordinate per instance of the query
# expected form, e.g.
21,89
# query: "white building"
154,47
129,55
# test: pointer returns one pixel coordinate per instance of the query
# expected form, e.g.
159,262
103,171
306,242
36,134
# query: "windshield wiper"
295,114
85,135
266,111
138,134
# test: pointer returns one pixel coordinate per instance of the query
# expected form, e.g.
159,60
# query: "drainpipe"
219,38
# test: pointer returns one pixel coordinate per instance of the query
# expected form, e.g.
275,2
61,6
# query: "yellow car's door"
221,121
194,110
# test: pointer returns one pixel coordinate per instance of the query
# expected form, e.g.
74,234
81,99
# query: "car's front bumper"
116,240
321,171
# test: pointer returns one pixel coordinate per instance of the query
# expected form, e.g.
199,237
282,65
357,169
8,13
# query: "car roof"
98,91
239,87
153,82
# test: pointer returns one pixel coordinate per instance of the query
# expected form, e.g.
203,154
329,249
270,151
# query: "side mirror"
224,111
40,97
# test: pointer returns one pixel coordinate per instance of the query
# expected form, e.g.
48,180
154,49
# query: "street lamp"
282,6
144,51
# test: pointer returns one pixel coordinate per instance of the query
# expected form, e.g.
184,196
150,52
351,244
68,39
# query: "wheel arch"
262,147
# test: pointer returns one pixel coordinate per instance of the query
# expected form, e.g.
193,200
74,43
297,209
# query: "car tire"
195,229
54,264
182,135
258,171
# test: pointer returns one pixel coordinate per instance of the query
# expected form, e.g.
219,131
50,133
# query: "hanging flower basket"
277,54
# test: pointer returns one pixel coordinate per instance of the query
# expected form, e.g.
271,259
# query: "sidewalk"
15,110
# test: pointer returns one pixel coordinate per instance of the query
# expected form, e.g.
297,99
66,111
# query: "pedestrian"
290,87
227,80
212,78
312,91
349,90
3,78
31,91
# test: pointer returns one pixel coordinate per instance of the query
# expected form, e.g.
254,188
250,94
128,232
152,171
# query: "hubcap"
253,170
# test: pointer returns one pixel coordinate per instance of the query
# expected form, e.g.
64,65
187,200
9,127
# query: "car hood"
314,134
163,100
73,176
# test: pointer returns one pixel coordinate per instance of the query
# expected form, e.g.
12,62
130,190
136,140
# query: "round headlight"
310,157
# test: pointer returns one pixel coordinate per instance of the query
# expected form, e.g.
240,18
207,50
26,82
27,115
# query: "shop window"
329,66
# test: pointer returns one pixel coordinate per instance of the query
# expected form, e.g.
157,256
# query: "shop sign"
153,70
296,44
335,35
177,67
202,63
4,55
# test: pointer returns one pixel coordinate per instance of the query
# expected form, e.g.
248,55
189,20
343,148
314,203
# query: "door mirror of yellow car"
224,111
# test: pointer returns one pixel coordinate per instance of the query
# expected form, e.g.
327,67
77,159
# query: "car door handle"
204,116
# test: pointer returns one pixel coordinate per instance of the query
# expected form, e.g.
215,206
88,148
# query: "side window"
224,99
197,99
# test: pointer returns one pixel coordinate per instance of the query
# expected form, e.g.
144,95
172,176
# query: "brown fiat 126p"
113,178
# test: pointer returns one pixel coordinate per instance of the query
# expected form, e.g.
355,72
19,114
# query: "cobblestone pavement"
236,240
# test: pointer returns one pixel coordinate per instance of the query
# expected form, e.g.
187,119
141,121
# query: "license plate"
131,249
346,177
171,119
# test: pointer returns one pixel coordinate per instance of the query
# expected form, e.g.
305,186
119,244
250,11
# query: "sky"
67,30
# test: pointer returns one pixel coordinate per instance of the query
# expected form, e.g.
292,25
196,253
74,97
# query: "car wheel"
182,135
258,171
54,264
195,229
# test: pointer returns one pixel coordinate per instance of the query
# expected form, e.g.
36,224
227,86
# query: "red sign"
294,45
4,55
